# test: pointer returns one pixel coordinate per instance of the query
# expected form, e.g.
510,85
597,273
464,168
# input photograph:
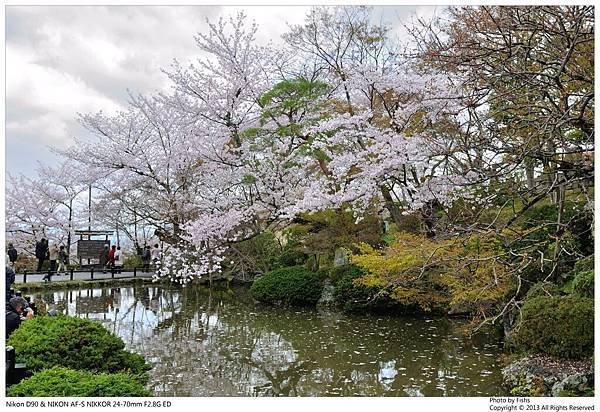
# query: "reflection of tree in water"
184,306
299,352
204,342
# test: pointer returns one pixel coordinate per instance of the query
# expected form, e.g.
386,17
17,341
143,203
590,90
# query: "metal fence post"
134,271
92,273
24,276
112,272
71,277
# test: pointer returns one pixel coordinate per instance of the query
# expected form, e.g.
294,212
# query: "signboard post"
91,248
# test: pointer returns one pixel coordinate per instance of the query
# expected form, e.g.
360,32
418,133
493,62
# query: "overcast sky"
61,60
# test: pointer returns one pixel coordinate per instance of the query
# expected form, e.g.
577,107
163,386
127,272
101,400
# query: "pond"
220,343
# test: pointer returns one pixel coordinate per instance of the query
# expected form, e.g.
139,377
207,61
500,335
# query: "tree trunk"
392,207
530,174
136,243
552,172
560,202
70,227
428,212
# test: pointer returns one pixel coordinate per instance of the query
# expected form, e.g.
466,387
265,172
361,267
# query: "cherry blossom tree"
377,131
28,216
144,157
45,206
352,146
62,185
251,136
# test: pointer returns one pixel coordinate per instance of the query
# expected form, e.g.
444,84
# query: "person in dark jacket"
10,279
14,312
104,258
41,252
12,254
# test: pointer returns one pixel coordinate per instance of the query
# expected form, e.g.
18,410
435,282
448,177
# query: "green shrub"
323,272
560,326
133,260
579,233
539,223
543,289
59,381
583,279
337,273
294,285
292,258
585,264
583,284
358,298
44,342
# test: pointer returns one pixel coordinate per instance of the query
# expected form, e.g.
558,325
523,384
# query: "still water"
209,343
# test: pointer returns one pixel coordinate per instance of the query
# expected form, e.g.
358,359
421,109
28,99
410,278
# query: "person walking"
146,256
63,259
41,252
118,259
12,254
104,258
53,257
111,256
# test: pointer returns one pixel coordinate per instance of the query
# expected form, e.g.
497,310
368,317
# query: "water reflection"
216,343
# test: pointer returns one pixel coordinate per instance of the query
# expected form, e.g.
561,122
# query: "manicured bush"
45,341
294,285
59,381
560,326
583,284
543,289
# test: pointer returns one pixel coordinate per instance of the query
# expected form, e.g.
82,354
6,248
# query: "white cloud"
271,20
54,97
61,60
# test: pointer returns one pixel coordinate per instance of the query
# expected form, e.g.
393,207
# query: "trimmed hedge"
76,343
59,381
560,326
294,285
